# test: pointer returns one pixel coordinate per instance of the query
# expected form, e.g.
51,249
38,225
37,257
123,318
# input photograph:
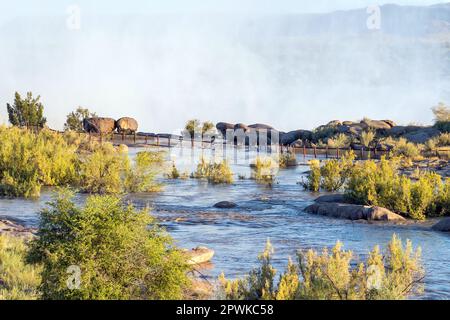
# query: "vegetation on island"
381,183
196,126
394,274
264,170
215,172
74,121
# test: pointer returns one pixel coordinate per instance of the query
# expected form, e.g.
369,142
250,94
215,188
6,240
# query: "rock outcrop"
126,125
225,205
199,255
443,225
99,125
222,127
353,212
15,228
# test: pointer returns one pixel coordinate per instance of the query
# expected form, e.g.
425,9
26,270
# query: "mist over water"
290,71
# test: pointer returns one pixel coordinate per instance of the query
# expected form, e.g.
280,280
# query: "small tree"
27,112
192,126
75,119
442,117
207,127
120,253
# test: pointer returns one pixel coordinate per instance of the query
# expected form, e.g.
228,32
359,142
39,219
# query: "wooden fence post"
315,152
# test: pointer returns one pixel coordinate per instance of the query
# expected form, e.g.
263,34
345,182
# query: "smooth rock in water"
199,255
332,198
353,212
225,205
443,225
383,214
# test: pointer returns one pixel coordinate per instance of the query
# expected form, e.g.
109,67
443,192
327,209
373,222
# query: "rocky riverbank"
15,227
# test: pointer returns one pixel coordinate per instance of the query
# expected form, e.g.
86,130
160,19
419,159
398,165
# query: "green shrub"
121,253
406,149
339,141
29,160
140,176
27,112
264,170
214,172
18,280
335,275
332,180
312,182
102,170
331,176
287,159
442,117
380,184
74,121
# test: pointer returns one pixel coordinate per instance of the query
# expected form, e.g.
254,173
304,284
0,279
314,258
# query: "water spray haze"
291,71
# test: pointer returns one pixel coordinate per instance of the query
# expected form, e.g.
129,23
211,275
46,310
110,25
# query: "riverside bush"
121,252
29,160
380,184
109,170
103,169
214,172
333,275
264,170
331,176
406,149
19,280
140,176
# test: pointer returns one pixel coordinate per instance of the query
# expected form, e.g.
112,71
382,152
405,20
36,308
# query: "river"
185,208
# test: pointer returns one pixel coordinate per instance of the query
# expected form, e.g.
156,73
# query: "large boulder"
126,125
443,225
241,126
225,205
16,228
334,123
292,136
353,212
222,127
99,125
199,255
261,126
337,197
376,124
422,135
390,123
401,130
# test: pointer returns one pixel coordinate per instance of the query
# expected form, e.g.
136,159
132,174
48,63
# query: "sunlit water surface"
185,208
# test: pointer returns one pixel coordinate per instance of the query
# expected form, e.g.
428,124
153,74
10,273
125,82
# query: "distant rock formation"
126,125
99,125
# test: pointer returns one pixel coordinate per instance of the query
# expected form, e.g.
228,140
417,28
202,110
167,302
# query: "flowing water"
185,208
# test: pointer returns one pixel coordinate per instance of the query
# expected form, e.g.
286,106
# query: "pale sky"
214,70
16,8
